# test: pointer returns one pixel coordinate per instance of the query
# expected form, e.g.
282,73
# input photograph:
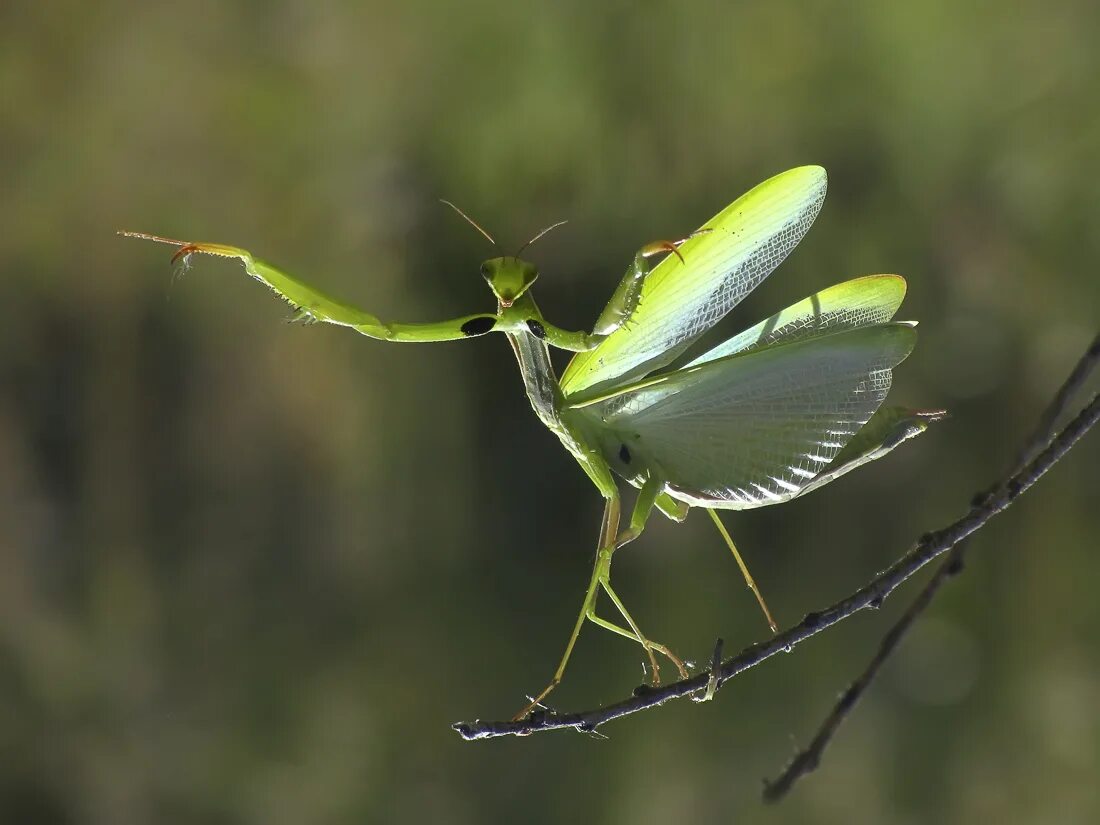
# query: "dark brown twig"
1044,431
807,759
929,547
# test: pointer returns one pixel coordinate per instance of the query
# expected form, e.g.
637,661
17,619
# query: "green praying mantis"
772,413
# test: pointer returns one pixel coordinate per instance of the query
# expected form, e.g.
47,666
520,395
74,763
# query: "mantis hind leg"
637,635
749,581
643,508
608,527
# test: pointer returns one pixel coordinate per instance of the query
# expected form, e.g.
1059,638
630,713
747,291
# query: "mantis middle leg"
610,539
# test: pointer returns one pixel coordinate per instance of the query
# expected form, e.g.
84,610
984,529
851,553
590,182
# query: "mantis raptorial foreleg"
610,540
311,303
624,300
314,304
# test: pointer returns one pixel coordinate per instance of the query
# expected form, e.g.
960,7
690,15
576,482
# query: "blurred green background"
251,571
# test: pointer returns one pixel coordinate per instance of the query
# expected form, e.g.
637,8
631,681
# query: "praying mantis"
772,413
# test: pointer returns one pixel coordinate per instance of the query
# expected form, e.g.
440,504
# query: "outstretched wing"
860,302
754,428
682,299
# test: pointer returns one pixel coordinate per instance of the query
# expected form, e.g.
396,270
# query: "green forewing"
682,299
860,302
757,428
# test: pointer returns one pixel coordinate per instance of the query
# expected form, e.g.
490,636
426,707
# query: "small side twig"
808,759
929,547
715,669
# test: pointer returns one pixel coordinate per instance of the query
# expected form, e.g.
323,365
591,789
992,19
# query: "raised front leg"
310,303
624,300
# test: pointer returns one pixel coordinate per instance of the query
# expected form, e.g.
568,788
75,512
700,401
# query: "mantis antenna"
481,229
539,235
470,220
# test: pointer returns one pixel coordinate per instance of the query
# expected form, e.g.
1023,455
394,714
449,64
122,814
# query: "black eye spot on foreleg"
624,454
479,326
537,329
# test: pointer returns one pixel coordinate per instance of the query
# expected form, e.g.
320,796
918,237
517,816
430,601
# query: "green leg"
628,294
311,303
624,300
648,644
744,570
608,529
610,540
642,508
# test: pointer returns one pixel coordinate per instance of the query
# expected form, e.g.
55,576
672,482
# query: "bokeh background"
250,571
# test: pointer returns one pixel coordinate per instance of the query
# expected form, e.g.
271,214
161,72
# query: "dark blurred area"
250,571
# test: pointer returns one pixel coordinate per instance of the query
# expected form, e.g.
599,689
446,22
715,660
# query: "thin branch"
929,547
808,759
1044,431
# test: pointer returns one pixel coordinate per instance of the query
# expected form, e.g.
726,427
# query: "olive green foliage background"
250,571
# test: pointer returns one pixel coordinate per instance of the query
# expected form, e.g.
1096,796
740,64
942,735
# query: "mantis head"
508,277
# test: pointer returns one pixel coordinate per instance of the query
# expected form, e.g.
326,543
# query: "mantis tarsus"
772,413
